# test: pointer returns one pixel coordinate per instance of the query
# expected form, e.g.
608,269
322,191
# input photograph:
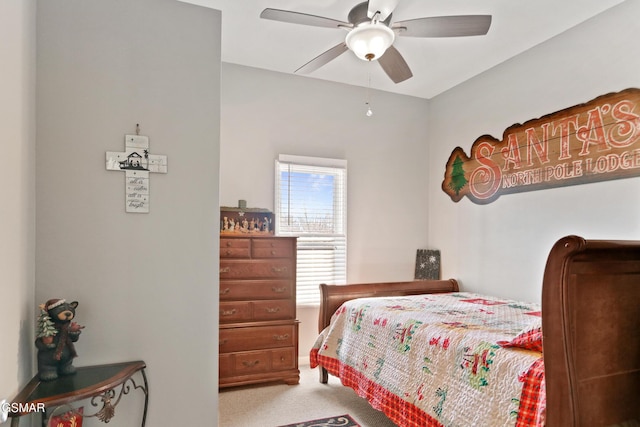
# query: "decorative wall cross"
136,162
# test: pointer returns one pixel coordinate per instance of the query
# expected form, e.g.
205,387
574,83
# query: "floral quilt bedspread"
455,359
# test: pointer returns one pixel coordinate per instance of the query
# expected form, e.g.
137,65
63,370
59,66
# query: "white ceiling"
437,63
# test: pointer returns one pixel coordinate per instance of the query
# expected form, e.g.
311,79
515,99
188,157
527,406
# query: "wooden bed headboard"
332,296
591,332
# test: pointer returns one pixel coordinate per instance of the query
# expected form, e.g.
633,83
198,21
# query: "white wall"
147,283
501,248
17,215
265,114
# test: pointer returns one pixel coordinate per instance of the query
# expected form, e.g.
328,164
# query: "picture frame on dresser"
258,334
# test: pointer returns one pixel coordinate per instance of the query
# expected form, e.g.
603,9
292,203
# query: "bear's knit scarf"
64,340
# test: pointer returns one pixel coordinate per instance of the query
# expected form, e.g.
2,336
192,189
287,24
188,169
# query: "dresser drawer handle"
281,337
249,363
279,290
279,269
225,291
273,252
272,309
229,312
229,252
225,270
222,342
228,244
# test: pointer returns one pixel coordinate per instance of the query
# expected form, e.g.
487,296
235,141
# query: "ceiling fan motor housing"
358,15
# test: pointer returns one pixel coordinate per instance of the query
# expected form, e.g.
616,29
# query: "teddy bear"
56,336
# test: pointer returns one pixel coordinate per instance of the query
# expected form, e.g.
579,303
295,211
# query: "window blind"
311,204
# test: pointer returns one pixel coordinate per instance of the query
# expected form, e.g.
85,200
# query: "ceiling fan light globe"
370,40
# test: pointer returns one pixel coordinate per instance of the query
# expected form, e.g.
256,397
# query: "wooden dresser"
258,326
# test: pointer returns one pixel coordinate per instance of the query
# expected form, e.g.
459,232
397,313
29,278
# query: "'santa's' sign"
596,141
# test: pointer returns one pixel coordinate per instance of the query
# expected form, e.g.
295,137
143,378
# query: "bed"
574,360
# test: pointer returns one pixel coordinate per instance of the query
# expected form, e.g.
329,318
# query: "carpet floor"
280,404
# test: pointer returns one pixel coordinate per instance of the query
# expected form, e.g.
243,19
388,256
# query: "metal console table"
99,383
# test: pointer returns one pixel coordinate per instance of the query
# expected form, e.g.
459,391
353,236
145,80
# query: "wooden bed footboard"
591,332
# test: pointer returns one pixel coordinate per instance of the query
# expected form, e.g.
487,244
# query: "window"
311,203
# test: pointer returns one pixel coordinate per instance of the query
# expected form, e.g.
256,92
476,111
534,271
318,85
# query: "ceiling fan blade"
323,58
385,7
395,66
302,18
445,26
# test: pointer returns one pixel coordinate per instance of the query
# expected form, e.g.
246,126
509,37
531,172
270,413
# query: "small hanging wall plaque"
136,162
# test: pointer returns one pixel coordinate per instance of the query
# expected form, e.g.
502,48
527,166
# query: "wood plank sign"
137,163
595,141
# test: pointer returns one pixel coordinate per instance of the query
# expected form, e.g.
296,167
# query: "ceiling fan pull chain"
369,112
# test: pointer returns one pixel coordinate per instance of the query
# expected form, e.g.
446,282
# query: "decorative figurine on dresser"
245,220
258,326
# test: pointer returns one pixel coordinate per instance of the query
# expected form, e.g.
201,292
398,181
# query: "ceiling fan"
371,33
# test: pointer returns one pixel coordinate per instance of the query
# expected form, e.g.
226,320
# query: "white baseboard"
303,361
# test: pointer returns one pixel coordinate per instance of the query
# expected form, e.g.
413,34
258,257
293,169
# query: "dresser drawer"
255,289
251,362
272,248
254,362
239,311
225,365
257,269
257,338
251,311
273,310
235,248
284,358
